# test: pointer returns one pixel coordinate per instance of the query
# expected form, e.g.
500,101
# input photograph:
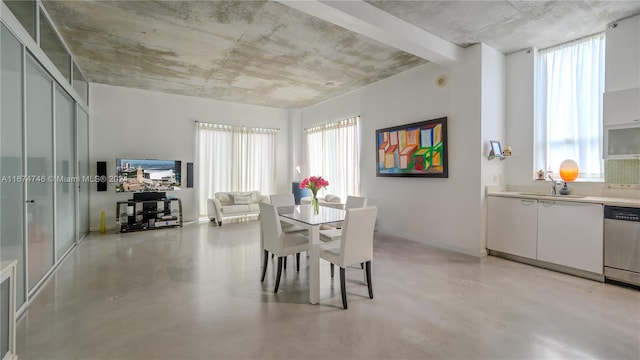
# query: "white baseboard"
439,244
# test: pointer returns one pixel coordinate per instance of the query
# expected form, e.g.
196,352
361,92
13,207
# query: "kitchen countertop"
612,201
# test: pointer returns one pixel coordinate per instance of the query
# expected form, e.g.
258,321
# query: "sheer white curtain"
569,107
234,159
333,152
255,155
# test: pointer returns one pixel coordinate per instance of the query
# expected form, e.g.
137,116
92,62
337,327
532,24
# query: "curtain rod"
571,42
333,124
244,126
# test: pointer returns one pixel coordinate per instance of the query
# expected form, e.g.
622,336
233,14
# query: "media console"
148,212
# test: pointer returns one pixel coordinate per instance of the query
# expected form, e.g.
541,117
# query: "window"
80,85
569,107
234,159
25,12
52,45
333,152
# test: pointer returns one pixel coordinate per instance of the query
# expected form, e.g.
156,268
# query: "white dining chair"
277,242
280,200
332,233
354,247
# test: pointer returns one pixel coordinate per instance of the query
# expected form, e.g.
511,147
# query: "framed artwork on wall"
413,150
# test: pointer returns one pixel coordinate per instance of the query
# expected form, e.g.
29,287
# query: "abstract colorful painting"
418,149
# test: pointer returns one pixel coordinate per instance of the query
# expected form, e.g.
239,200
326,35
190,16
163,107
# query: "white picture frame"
496,148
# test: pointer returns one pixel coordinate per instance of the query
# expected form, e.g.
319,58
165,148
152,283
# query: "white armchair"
329,200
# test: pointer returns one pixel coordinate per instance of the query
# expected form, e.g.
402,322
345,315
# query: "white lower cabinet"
570,234
565,233
513,226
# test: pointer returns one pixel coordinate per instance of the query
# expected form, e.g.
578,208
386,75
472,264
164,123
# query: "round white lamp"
568,172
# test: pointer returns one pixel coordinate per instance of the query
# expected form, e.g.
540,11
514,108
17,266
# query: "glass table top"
304,213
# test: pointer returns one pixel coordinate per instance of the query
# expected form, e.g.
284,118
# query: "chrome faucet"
553,184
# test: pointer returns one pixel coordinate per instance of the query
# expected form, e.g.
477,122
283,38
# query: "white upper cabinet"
623,55
621,107
622,141
621,100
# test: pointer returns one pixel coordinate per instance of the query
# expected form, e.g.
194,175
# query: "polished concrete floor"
194,293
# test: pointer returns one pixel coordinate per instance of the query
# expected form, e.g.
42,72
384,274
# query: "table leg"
314,265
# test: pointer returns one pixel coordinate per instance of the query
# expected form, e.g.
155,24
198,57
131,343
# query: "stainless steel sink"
557,196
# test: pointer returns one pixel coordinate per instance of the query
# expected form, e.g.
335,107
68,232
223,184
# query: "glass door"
83,172
65,183
11,163
39,166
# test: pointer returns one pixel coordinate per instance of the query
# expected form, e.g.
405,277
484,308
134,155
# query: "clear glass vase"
316,206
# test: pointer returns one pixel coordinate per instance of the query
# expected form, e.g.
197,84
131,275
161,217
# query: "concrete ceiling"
292,54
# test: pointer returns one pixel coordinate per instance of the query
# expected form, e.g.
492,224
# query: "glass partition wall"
65,183
12,245
44,131
39,160
82,143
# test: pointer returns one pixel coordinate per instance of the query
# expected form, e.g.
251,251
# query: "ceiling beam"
365,19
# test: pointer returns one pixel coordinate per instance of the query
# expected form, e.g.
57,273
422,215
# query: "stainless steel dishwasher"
622,244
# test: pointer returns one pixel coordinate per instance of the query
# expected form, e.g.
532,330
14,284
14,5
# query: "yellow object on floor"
102,229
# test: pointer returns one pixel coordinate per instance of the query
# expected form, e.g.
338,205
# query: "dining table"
303,216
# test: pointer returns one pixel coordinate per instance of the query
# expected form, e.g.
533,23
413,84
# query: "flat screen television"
147,175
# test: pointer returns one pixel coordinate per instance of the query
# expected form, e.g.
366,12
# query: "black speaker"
101,178
189,174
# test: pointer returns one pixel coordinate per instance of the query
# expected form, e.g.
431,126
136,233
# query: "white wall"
520,116
493,107
445,212
493,113
132,123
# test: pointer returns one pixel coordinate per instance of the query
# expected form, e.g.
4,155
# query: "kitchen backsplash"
622,172
622,180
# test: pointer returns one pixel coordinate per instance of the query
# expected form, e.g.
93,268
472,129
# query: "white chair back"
279,200
270,228
333,201
331,198
355,202
357,236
